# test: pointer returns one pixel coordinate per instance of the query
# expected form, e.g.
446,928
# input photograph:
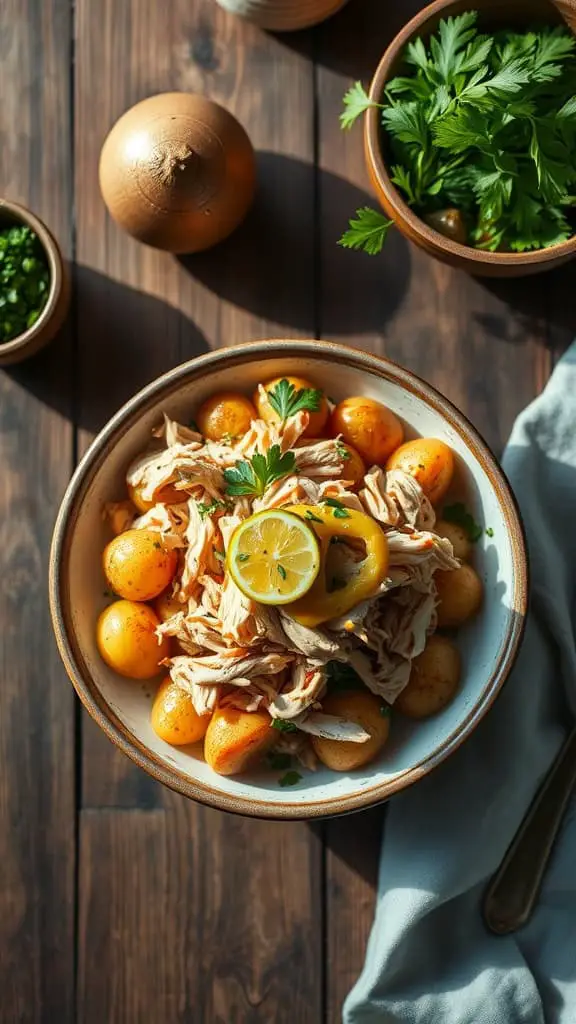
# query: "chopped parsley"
283,726
282,571
312,518
290,779
459,515
342,450
489,532
207,508
340,510
242,557
24,280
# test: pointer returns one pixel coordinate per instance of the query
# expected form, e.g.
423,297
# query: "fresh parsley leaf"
356,101
290,779
278,761
242,557
341,513
342,450
459,515
367,231
255,476
286,400
283,726
489,531
281,571
333,503
311,517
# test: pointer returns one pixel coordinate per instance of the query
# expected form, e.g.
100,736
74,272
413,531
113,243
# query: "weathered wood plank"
37,812
231,929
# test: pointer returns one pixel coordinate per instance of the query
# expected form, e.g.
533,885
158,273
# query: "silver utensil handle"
513,890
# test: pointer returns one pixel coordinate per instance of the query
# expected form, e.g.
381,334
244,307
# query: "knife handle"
513,890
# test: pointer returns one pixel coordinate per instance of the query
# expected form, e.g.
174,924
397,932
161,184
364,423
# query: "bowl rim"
377,166
55,266
167,386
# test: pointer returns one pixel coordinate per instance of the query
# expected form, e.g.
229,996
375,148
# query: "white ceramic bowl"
122,707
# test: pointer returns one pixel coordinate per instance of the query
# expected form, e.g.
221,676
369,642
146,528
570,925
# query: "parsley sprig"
254,476
485,125
286,400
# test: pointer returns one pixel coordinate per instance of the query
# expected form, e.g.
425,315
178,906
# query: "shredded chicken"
234,651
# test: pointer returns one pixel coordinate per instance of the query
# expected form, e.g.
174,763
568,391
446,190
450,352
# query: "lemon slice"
273,557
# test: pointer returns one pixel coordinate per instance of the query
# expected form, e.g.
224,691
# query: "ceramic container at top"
177,172
493,15
283,15
121,707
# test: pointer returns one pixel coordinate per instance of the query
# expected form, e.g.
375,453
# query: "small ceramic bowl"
283,15
493,14
54,313
122,707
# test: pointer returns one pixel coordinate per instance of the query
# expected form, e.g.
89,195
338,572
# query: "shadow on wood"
126,339
256,268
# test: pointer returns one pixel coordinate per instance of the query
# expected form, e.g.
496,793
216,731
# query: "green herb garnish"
481,128
207,508
24,281
459,514
311,517
286,400
283,726
341,513
290,779
489,532
242,557
279,762
340,677
342,450
281,571
255,476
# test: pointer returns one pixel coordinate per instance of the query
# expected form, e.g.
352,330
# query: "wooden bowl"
493,14
121,707
54,313
283,15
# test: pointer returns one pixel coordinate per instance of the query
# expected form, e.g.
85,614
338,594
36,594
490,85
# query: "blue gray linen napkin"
429,958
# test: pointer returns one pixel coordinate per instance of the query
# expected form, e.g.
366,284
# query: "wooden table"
119,901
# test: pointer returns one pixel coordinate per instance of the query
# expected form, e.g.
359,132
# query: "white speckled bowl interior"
122,708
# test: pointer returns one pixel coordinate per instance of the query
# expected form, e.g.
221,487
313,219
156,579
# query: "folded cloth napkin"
429,959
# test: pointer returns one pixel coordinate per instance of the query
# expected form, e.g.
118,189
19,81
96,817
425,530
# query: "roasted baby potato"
318,419
433,680
174,718
234,738
365,709
225,416
167,495
370,427
460,594
127,641
429,461
137,566
461,544
167,604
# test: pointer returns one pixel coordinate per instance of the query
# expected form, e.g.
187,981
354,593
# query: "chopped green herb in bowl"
24,280
476,136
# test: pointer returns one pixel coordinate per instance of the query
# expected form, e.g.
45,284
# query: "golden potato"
127,641
137,566
460,593
433,680
234,738
167,604
318,419
429,461
370,427
461,544
167,495
365,709
353,468
225,415
173,716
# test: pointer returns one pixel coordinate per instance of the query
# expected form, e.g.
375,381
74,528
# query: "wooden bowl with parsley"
470,135
34,285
